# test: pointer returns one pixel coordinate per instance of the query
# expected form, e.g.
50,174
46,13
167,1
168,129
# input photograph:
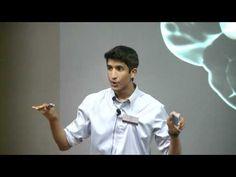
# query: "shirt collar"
132,97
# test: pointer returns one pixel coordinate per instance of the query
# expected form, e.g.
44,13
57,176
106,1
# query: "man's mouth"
114,84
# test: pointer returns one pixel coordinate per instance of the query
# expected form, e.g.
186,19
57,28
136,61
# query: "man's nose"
113,74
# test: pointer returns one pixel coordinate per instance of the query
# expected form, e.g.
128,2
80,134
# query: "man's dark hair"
125,54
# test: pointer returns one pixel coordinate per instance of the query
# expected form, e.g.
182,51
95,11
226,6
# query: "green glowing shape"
229,29
209,45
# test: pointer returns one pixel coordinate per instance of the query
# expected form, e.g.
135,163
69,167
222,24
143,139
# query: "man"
121,119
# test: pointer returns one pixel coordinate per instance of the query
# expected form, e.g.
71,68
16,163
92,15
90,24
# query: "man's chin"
115,89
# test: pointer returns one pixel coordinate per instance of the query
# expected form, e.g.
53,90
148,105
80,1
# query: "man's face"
119,76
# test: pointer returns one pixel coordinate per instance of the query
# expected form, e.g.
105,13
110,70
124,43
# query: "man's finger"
40,107
181,123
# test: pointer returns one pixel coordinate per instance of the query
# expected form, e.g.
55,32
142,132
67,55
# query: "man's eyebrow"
117,65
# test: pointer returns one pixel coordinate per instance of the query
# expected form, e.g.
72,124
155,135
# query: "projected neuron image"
208,45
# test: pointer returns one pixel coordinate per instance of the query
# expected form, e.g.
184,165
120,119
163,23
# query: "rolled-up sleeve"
79,128
162,138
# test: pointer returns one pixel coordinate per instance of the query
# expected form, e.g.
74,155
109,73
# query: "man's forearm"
175,146
59,135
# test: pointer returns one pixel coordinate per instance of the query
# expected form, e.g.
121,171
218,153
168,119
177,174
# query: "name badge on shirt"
130,119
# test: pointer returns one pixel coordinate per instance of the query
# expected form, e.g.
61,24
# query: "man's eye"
119,68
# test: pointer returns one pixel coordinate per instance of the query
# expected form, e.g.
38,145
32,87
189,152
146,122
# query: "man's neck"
123,95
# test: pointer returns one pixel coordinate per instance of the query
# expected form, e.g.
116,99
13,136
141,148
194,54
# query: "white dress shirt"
100,116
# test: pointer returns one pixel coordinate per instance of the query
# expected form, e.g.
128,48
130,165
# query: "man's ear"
133,73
